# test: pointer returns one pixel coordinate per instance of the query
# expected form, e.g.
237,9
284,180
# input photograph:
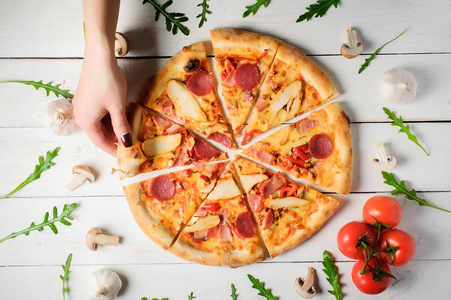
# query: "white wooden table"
44,40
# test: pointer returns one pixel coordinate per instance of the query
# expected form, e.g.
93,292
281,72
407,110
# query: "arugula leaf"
318,9
234,295
203,14
254,8
65,277
174,20
368,60
332,275
48,87
404,128
400,188
260,286
50,223
43,165
191,296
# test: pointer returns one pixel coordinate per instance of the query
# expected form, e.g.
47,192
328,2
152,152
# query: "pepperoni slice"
244,225
221,138
200,84
320,146
162,188
203,150
247,76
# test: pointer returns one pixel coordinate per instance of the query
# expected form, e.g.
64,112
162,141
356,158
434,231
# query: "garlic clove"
398,86
383,162
61,115
107,285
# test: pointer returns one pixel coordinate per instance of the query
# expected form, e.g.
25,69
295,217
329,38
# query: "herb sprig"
234,295
67,209
260,286
203,14
368,60
65,277
332,275
43,165
400,188
191,296
48,87
318,9
174,20
252,9
404,128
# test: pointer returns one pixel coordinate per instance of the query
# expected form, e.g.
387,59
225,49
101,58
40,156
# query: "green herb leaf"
400,188
318,9
48,87
260,286
174,20
332,275
191,296
404,128
50,223
65,277
203,14
234,295
368,60
43,165
252,9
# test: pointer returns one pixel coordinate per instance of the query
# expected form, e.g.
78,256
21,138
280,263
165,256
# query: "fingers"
121,127
102,138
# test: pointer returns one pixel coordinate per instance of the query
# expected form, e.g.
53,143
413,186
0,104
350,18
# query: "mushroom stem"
103,239
305,287
352,38
382,161
75,182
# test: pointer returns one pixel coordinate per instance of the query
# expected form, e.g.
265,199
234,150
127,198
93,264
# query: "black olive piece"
192,65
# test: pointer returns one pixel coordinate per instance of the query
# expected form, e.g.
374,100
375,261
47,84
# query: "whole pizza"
191,186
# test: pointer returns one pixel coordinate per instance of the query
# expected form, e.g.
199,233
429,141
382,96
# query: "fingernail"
126,139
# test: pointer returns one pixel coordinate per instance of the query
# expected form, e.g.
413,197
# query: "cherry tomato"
396,238
376,280
353,237
384,209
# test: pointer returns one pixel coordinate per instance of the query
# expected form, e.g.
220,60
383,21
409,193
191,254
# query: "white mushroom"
107,285
61,115
383,162
305,287
353,48
398,86
82,173
95,237
120,45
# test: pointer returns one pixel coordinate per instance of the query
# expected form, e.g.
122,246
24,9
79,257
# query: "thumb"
121,128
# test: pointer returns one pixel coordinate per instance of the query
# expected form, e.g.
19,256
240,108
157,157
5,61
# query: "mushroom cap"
120,45
84,171
349,52
91,238
306,287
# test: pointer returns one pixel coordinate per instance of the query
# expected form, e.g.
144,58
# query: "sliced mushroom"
306,287
82,173
383,162
120,45
95,237
353,48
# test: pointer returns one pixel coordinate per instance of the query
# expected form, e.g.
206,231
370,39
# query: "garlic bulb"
61,116
107,285
398,86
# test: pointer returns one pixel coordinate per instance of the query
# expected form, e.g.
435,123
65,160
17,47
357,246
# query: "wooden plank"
113,216
178,281
377,22
26,107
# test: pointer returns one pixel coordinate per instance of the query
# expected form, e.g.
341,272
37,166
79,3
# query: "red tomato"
352,236
404,242
384,209
375,281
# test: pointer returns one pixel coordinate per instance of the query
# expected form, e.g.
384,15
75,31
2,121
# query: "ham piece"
272,185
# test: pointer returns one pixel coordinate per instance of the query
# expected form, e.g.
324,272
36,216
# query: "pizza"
186,192
286,213
293,86
159,143
222,231
242,58
183,90
317,148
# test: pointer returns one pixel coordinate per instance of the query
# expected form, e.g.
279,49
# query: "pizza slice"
222,231
159,143
242,58
162,205
287,213
293,86
317,148
184,90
